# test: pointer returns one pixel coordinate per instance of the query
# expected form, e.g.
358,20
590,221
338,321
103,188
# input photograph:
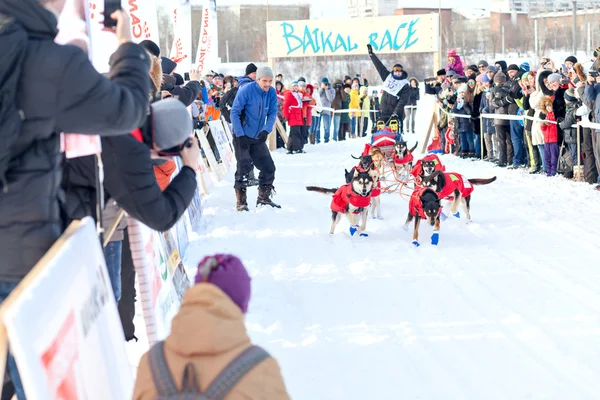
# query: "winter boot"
240,195
312,137
264,196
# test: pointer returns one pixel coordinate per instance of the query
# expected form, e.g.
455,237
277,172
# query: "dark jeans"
590,171
518,143
505,150
112,254
127,301
573,152
257,153
467,144
5,289
344,129
551,157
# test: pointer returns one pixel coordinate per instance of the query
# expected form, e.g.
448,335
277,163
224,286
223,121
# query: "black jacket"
59,91
391,104
186,94
499,102
128,179
413,96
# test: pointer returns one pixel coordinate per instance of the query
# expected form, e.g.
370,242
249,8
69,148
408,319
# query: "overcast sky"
337,8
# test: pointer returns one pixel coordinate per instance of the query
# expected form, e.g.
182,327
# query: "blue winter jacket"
254,110
592,93
243,81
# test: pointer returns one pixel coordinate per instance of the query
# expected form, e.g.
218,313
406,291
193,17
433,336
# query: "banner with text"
64,328
207,55
144,19
181,52
397,34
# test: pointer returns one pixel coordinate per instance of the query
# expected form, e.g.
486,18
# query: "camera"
594,74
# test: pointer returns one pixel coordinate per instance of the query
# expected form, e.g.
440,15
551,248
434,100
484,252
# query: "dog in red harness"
424,204
403,159
455,187
352,199
425,167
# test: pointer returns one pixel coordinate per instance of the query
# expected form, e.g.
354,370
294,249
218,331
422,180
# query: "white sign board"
325,37
64,328
222,142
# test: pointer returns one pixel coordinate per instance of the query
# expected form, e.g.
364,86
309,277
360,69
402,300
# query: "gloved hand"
263,136
370,49
394,116
244,142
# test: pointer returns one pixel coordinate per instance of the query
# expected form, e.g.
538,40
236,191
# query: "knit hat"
463,88
325,80
472,68
229,274
250,68
490,68
178,79
397,66
484,78
525,66
294,83
513,67
596,51
484,63
301,79
572,59
151,47
461,79
570,95
500,77
264,72
451,73
451,52
167,65
441,72
171,123
554,77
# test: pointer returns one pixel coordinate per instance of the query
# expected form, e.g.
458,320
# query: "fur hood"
156,74
544,74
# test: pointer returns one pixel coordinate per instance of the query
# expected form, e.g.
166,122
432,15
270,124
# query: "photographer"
327,95
171,86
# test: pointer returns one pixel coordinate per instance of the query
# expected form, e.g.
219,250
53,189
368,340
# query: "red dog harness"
344,196
415,207
377,191
408,158
418,168
455,181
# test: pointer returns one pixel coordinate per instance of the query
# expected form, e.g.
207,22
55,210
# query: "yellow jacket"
366,101
354,102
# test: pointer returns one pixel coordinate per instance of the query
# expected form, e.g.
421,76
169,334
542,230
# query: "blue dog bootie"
362,234
416,243
353,229
457,215
435,238
443,217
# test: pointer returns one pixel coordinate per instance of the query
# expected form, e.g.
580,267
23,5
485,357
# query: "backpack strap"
235,371
161,375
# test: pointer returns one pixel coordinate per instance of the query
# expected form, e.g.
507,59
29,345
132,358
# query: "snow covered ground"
507,307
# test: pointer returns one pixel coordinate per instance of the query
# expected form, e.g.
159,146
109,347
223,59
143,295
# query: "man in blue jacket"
253,116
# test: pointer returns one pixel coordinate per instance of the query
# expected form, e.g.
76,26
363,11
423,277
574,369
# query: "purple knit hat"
229,274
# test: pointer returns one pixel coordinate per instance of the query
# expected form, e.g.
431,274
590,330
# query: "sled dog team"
432,185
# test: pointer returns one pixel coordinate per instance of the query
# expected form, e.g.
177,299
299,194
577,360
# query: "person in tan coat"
209,332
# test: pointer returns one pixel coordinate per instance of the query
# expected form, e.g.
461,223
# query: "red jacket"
455,181
550,130
307,105
415,206
344,196
292,109
408,158
418,168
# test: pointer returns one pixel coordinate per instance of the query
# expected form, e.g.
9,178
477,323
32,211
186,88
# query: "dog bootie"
353,230
457,215
443,217
364,234
405,227
435,238
416,243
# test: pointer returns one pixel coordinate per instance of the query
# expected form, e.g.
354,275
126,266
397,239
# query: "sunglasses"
471,83
397,70
174,151
481,67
